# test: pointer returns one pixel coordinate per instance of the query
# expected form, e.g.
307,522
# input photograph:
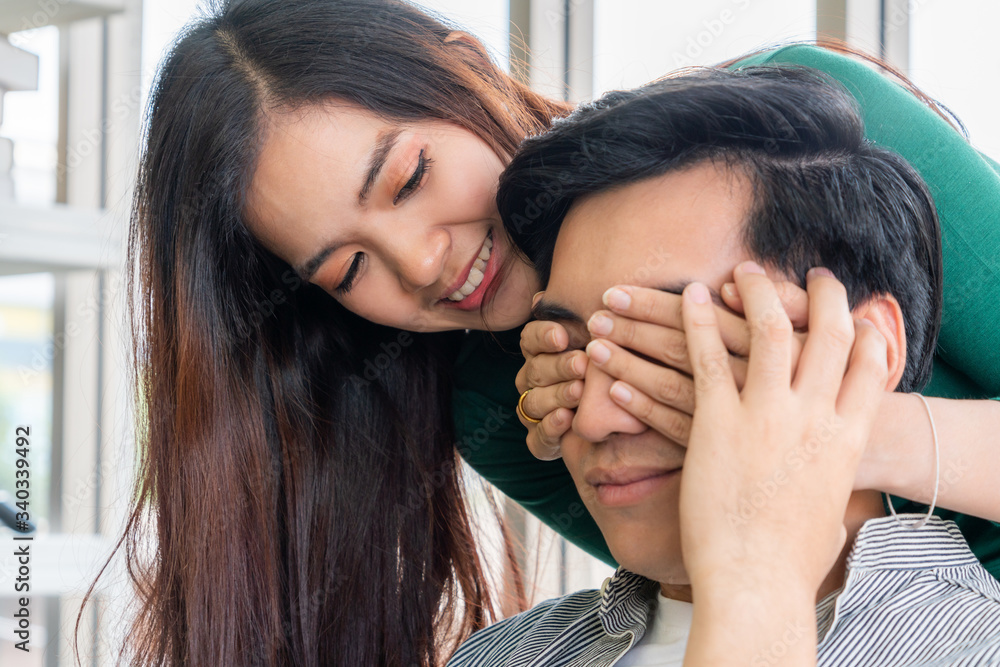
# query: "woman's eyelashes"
423,164
411,186
352,273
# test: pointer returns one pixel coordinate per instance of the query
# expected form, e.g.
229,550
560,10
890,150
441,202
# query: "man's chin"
653,554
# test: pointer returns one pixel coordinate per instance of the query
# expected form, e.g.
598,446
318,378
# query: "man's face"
663,232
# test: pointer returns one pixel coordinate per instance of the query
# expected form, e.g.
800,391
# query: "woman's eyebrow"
383,146
307,269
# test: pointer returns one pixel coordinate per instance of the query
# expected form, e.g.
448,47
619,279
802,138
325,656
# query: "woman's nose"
420,257
597,416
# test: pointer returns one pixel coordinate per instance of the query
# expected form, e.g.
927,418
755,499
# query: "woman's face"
397,222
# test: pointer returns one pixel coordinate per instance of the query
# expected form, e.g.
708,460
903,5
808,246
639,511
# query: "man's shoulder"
531,630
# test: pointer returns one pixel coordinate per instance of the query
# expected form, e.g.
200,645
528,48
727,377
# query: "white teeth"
475,275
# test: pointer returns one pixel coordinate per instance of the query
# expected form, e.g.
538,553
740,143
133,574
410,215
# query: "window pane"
486,19
636,41
30,118
952,58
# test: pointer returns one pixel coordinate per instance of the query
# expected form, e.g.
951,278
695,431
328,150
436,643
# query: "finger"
831,336
739,369
549,369
543,337
713,379
731,297
662,384
671,422
540,401
664,344
545,438
794,299
866,379
654,306
769,367
618,368
645,304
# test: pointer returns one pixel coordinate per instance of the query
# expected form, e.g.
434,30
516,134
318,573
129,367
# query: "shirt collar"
887,544
627,602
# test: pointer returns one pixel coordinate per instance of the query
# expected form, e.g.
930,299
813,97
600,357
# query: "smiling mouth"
477,273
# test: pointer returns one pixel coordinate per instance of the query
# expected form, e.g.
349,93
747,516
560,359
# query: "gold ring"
520,409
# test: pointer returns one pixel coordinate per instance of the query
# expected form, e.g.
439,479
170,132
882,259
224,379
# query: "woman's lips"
475,300
464,276
628,486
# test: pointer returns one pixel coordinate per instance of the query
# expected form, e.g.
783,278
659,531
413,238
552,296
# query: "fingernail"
575,390
620,393
819,271
600,325
617,299
598,352
751,267
697,292
729,289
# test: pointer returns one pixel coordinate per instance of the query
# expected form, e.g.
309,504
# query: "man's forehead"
661,233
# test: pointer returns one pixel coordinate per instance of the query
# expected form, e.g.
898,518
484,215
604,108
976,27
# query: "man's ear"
884,312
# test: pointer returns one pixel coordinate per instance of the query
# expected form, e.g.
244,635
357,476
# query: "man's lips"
627,486
622,476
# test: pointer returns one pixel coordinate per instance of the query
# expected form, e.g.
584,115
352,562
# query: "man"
719,168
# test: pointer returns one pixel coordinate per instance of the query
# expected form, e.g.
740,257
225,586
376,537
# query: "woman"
283,428
302,488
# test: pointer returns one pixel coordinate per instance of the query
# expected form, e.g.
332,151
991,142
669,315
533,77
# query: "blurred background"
74,77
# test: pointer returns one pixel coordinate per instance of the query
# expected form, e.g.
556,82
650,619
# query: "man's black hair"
823,195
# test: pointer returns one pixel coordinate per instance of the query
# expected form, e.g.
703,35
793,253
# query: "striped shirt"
910,597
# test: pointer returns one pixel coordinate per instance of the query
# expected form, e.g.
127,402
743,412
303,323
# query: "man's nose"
597,416
420,256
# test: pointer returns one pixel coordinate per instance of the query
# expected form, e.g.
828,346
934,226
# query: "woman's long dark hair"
297,473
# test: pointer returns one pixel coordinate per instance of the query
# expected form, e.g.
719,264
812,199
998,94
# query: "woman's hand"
641,337
770,469
556,382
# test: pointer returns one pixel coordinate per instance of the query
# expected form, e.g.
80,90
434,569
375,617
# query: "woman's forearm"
900,456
